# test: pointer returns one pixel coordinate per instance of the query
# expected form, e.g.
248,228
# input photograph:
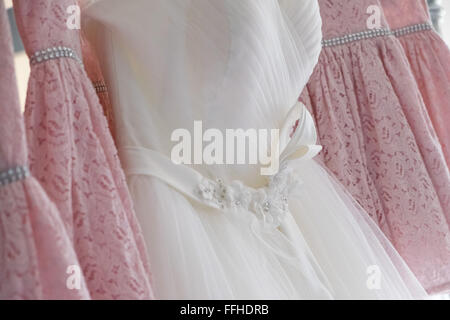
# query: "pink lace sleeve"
73,156
35,250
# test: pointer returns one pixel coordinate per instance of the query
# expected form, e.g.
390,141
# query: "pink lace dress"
35,250
94,72
73,155
378,138
429,58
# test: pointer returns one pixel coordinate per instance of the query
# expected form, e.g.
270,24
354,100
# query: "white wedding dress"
234,64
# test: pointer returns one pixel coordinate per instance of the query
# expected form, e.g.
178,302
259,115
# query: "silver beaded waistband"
99,86
375,33
54,53
367,34
13,175
412,29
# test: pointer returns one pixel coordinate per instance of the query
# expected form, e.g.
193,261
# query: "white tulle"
232,64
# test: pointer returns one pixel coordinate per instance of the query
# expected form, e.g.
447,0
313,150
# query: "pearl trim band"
269,203
54,53
100,86
13,175
412,29
375,33
363,35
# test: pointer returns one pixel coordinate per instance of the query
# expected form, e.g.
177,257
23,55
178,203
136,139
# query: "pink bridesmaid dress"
378,138
94,72
429,58
73,155
35,250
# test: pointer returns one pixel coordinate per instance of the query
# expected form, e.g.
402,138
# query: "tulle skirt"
325,248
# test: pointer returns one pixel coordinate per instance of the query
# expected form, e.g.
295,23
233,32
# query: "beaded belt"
375,33
99,86
13,175
412,29
363,35
54,53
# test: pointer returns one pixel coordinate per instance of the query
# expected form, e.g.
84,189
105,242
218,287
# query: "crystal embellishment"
54,53
412,29
269,203
100,86
363,35
375,33
13,175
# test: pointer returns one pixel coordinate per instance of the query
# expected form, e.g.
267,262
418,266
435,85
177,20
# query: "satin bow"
298,135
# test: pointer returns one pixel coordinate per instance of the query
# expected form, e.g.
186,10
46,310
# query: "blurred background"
446,24
22,65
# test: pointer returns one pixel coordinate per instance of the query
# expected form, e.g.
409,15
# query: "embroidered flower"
269,203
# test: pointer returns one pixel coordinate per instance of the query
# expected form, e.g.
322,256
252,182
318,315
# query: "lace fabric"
73,156
412,12
379,141
428,56
35,250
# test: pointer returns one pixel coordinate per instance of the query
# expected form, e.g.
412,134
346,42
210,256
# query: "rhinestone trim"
99,86
54,53
270,203
375,33
412,29
13,175
353,37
